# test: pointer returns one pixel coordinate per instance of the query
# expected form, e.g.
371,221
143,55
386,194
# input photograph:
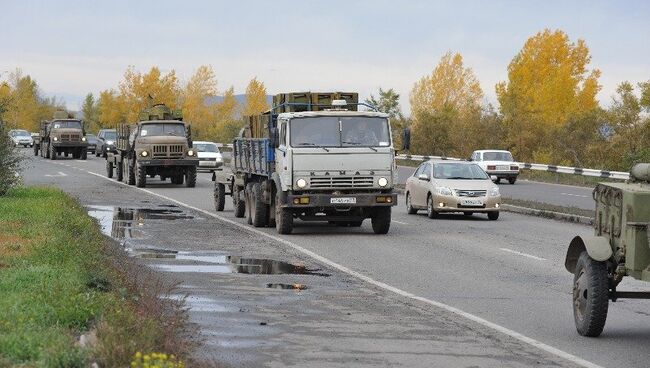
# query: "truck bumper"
175,162
342,201
69,145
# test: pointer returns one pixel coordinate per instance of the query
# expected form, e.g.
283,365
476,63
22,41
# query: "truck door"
283,155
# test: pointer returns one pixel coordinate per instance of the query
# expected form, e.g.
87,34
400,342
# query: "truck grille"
70,137
167,151
471,193
341,182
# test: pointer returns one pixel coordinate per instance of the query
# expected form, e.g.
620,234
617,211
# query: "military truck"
160,144
619,248
63,135
313,157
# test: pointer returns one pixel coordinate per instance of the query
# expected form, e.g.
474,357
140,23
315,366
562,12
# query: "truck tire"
119,168
590,295
35,150
129,172
260,209
219,196
283,216
52,152
109,169
238,203
248,198
140,176
381,220
190,177
84,154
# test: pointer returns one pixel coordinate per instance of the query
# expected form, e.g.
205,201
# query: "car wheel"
512,180
431,213
590,296
493,215
409,207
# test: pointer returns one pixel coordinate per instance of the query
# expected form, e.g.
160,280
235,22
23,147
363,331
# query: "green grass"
59,279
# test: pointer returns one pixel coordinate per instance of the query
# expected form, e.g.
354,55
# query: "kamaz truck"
312,157
63,135
160,144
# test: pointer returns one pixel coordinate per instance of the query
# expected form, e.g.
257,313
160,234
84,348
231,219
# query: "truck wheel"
52,152
238,203
190,177
109,169
130,171
283,216
260,209
84,154
590,295
119,168
431,213
512,180
494,215
141,176
97,153
219,196
35,150
248,195
409,207
381,220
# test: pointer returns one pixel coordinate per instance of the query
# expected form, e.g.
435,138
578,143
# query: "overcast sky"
75,47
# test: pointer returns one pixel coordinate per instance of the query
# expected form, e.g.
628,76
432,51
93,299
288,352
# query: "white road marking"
506,331
399,222
575,195
57,175
522,254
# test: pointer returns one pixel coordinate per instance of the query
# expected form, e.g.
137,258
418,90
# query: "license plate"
503,167
343,200
471,202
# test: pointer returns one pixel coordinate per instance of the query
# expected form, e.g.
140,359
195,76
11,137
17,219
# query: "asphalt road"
509,272
555,194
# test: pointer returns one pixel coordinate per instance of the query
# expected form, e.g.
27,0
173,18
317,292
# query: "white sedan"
21,138
498,164
210,159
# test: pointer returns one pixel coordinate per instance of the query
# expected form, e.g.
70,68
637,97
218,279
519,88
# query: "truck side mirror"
406,139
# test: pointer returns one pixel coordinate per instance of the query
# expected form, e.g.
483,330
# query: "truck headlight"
190,153
301,183
144,153
494,192
109,142
55,139
83,139
444,191
382,182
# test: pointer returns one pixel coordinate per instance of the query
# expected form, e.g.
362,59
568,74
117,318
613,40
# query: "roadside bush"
9,162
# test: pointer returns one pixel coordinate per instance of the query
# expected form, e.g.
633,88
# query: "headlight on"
190,153
219,158
382,182
55,139
301,183
494,192
444,191
144,153
83,139
109,142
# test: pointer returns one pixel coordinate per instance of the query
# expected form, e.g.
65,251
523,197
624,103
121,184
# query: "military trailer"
63,135
312,157
159,144
620,247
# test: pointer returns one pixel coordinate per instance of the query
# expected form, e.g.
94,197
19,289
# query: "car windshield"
71,124
21,133
326,131
162,129
497,156
110,136
206,147
454,170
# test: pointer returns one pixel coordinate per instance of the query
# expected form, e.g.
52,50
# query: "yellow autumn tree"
138,90
201,87
548,85
111,109
227,125
255,98
444,105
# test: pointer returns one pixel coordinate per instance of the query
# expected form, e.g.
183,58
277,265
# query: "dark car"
105,142
92,143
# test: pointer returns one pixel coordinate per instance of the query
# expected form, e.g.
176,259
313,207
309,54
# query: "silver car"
452,186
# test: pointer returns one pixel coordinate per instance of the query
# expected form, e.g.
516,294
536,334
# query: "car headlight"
83,139
301,183
494,192
444,191
55,139
382,182
219,158
109,142
190,153
144,153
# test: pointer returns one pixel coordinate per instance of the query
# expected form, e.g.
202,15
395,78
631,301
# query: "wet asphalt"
509,272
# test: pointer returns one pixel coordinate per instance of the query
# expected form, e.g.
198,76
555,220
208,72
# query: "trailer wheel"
109,169
590,295
84,154
248,199
119,168
283,216
381,220
260,209
52,152
141,176
190,179
238,203
219,196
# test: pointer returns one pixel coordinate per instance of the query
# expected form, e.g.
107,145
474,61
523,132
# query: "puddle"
287,286
123,223
199,304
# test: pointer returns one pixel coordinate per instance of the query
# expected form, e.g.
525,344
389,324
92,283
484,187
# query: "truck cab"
64,136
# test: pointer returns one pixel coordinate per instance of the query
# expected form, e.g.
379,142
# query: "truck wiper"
312,145
358,144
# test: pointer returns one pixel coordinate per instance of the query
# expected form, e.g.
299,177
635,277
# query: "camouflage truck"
314,157
63,135
160,144
39,136
620,247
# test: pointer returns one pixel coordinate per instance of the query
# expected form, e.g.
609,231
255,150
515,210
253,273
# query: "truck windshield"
70,124
326,131
458,171
162,129
497,156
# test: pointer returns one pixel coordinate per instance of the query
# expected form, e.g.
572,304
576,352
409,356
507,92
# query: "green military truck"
620,247
63,135
160,144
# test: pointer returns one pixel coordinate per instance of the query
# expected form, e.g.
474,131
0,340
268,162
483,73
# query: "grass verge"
60,278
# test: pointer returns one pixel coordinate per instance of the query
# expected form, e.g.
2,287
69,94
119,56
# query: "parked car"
106,139
210,158
92,143
498,164
21,138
452,186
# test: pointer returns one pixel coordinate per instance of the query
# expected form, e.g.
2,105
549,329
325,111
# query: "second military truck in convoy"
159,144
312,157
63,135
